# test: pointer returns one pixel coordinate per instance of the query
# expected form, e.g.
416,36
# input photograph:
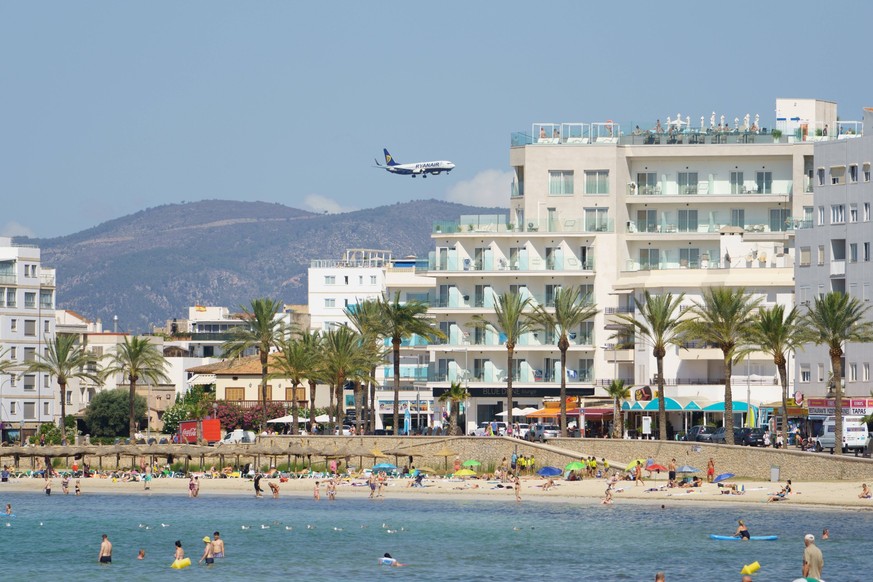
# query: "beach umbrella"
426,470
549,472
687,469
471,463
723,477
445,453
384,467
465,473
656,467
574,466
633,464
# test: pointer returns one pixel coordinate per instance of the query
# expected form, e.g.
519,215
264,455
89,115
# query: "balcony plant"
777,135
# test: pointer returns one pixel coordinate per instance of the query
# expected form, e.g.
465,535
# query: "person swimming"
387,560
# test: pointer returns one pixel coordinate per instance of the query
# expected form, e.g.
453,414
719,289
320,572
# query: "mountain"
150,266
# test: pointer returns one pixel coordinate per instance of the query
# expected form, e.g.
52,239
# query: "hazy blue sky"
112,107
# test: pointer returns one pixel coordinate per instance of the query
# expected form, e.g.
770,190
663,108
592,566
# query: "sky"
108,108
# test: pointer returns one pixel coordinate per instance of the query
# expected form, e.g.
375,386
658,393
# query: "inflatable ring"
179,564
750,568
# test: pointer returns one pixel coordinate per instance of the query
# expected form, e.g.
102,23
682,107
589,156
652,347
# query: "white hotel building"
619,210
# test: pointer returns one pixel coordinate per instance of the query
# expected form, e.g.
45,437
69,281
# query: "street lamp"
418,409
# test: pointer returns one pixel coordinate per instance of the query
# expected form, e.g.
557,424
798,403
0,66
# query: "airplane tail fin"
389,159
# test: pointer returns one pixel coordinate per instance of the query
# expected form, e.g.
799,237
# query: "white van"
855,434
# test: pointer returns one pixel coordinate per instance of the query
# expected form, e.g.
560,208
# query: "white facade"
27,324
676,210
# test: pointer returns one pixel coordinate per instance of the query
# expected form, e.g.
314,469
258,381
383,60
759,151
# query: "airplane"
414,169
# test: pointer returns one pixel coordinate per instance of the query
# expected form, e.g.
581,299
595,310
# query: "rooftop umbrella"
574,466
549,472
633,464
471,463
723,477
687,469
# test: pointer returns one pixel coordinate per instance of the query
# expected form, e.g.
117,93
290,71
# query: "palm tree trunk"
373,411
63,386
294,413
617,429
783,377
563,349
132,417
837,367
728,402
453,417
264,355
358,407
510,350
395,350
662,407
340,400
312,386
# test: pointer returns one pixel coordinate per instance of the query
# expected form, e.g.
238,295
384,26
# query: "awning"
739,406
545,413
591,412
677,404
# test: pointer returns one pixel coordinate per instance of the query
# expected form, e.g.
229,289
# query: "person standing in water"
208,552
217,545
105,555
180,553
258,490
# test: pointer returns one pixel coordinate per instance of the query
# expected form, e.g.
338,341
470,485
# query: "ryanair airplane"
414,169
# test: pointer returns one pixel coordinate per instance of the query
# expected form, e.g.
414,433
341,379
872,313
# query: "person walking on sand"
105,555
813,561
217,545
196,486
316,492
638,474
65,484
516,485
671,473
710,470
208,552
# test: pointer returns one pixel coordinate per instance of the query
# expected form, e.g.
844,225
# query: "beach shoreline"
820,495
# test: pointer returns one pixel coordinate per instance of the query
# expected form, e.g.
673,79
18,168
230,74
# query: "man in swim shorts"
208,552
105,555
217,546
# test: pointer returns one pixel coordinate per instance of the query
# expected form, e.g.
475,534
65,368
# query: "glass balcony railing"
668,225
416,373
451,262
673,188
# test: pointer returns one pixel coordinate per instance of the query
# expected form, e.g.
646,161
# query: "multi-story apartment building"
834,251
674,208
363,274
27,324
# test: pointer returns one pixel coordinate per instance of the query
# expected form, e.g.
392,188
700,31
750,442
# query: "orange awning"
545,413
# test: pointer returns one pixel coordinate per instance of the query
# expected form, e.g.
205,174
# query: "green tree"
107,413
313,342
618,392
136,359
659,325
345,358
512,318
64,360
456,394
723,318
833,321
5,365
570,311
296,362
263,333
778,334
402,321
367,319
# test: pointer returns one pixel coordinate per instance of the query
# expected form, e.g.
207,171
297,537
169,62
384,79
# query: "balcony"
452,262
287,404
8,280
720,188
414,373
838,268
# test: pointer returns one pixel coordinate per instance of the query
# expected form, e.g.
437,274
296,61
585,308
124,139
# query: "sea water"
440,539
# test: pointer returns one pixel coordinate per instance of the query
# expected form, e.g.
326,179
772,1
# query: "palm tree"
776,334
366,318
659,325
136,359
295,361
456,394
346,357
5,364
835,320
403,320
570,311
512,319
618,392
263,332
313,343
723,318
64,359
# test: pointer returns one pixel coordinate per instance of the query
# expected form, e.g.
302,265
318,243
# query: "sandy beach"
841,494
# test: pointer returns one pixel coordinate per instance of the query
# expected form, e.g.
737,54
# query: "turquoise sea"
444,539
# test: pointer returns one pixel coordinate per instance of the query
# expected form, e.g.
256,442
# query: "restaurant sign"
851,406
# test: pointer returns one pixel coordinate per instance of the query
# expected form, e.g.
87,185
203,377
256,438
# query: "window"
46,411
853,252
853,212
29,354
372,279
647,183
30,411
13,324
807,216
597,181
330,280
866,212
821,215
737,184
804,256
804,296
13,408
687,221
738,217
689,258
330,302
853,372
45,299
30,327
821,255
821,176
13,353
764,182
30,382
865,371
10,298
779,219
866,170
853,173
804,373
596,219
69,397
586,369
838,213
688,182
866,249
650,259
30,300
838,174
821,372
560,182
46,325
551,291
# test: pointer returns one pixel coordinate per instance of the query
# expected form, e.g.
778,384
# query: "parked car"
719,436
540,432
855,435
699,433
523,429
238,436
752,437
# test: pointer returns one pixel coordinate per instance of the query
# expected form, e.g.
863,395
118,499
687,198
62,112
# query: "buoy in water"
751,568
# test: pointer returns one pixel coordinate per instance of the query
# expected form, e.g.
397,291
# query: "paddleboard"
737,538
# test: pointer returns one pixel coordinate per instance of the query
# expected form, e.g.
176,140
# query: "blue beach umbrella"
723,477
384,467
549,472
687,469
